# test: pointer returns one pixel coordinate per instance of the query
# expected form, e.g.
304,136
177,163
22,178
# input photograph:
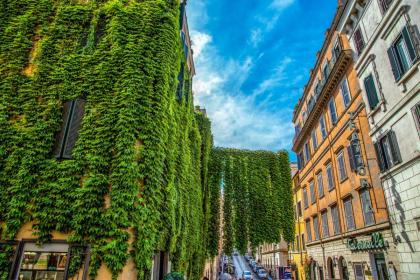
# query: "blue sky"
252,59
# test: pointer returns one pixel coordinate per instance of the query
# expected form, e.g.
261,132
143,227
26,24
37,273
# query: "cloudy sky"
253,58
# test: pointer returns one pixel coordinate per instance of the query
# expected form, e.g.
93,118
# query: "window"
326,69
307,151
320,185
341,166
308,230
323,127
303,242
304,116
324,219
355,153
180,88
348,211
416,115
333,111
367,207
358,271
300,161
314,140
72,120
297,243
312,189
297,129
316,227
345,92
372,94
358,40
335,219
299,209
385,4
336,50
305,198
330,177
387,151
402,53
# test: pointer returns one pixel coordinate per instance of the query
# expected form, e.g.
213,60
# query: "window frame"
353,223
359,41
325,225
365,193
312,191
320,183
308,230
305,197
315,222
335,219
330,176
314,140
333,111
343,176
323,124
345,84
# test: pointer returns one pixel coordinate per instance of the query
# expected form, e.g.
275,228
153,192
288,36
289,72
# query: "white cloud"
199,42
255,37
281,4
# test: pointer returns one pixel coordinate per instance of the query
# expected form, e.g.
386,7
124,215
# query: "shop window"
316,227
387,151
348,211
402,53
371,92
72,119
358,271
367,207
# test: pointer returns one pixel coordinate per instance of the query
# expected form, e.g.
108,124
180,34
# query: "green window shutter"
72,133
379,156
394,65
59,139
371,92
409,43
395,150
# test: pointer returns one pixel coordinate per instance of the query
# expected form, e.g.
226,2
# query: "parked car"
246,257
262,274
247,275
252,263
257,267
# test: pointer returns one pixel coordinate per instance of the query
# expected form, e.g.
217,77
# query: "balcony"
325,87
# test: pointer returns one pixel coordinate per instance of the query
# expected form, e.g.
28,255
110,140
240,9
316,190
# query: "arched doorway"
313,270
342,268
330,268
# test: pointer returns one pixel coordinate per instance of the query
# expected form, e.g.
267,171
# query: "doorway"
381,267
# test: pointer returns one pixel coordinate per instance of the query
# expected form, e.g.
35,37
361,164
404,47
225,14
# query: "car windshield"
247,273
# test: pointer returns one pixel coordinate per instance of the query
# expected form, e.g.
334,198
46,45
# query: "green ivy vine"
138,180
258,201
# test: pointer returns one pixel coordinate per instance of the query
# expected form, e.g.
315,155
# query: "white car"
262,273
247,275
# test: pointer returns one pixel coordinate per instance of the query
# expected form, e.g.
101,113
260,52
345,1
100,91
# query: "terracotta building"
347,228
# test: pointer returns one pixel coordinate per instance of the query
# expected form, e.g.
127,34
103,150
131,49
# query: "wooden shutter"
371,91
379,156
59,141
352,160
409,43
394,65
77,111
358,40
395,150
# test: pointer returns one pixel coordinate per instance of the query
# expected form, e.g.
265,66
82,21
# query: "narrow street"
241,265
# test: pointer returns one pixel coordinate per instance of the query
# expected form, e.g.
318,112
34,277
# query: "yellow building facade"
297,250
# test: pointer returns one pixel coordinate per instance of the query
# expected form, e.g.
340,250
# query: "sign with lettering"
376,242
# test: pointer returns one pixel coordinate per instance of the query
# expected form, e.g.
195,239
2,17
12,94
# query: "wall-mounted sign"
376,242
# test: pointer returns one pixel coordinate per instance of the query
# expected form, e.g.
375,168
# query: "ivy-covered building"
103,159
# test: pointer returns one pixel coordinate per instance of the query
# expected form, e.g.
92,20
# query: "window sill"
408,74
343,180
330,190
377,108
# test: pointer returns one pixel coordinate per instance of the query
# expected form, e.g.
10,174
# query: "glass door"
381,266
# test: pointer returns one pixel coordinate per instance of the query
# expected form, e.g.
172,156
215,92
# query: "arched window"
330,266
342,268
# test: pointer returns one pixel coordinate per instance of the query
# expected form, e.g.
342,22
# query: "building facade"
384,37
297,250
347,228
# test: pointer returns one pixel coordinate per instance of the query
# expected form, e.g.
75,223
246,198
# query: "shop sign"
376,242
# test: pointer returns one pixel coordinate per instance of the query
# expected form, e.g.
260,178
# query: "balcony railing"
325,87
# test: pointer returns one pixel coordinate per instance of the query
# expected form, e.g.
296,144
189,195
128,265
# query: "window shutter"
379,156
77,111
409,43
353,165
371,91
395,150
392,59
59,141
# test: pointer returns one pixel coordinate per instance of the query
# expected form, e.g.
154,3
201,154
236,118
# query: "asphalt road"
241,265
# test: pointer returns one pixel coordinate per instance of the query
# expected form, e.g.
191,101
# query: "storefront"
369,256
